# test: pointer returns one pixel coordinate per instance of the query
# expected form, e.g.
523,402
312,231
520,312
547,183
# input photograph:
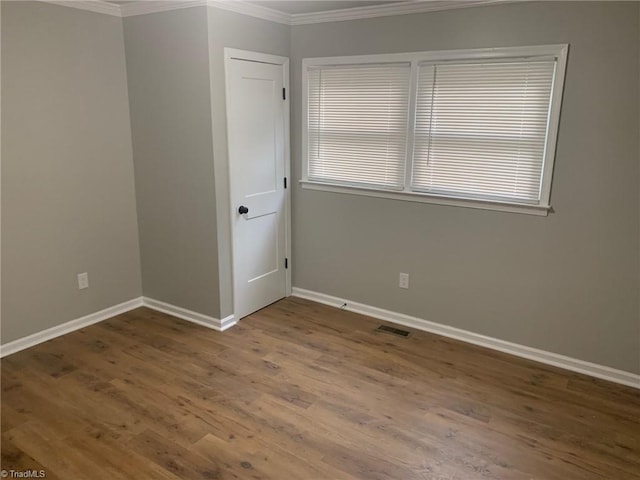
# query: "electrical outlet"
83,281
404,280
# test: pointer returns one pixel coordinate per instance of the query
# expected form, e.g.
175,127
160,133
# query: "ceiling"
287,12
293,7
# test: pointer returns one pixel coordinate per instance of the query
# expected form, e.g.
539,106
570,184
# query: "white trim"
542,356
107,313
142,7
551,50
190,315
411,125
387,10
236,54
96,6
557,51
146,7
287,171
539,210
554,122
58,330
252,10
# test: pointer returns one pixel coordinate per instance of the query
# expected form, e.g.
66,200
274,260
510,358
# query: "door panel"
262,259
255,112
260,149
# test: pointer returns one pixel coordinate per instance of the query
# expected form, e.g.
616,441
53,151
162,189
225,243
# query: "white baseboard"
189,315
542,356
78,323
58,330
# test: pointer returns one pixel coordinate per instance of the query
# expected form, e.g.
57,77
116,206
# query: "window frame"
559,51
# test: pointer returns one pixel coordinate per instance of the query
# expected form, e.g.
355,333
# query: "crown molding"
252,10
95,6
144,7
400,8
154,6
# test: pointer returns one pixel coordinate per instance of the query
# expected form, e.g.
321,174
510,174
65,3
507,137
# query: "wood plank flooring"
304,391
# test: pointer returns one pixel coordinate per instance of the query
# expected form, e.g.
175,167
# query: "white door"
257,148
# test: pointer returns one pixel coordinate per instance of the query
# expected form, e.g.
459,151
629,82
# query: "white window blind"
481,129
357,124
474,128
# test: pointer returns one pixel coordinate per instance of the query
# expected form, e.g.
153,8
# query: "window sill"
539,210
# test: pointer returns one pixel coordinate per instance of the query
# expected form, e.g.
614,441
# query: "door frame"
250,56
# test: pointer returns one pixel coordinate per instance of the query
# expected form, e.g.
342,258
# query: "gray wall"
228,29
567,283
175,64
68,202
168,73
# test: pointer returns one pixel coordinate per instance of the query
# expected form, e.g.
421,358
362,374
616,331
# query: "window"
357,131
473,128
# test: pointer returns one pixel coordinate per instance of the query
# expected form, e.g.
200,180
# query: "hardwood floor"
303,391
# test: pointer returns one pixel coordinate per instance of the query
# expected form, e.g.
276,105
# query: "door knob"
243,209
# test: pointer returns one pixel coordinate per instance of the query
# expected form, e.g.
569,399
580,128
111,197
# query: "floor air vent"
394,331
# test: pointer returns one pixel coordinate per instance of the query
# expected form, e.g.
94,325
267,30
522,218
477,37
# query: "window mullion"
411,120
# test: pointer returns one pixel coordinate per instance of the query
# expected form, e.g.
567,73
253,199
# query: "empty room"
320,240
